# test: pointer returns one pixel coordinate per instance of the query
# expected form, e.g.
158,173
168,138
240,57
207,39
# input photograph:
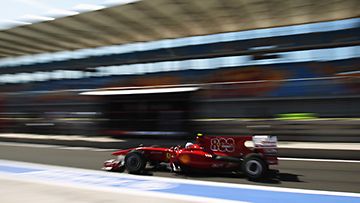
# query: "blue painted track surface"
220,191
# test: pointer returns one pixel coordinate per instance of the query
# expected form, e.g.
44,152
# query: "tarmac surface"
319,150
330,175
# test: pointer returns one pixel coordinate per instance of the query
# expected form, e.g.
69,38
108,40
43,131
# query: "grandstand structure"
246,59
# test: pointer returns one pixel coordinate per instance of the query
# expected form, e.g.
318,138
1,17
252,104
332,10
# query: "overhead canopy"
149,20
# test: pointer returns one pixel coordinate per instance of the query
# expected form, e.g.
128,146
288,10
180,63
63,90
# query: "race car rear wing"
264,141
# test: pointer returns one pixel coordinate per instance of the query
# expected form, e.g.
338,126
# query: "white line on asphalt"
321,146
15,144
87,148
60,137
319,160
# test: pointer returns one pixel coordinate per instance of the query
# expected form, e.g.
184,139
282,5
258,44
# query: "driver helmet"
188,144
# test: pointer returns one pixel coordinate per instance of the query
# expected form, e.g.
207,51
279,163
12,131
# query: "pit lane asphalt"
330,176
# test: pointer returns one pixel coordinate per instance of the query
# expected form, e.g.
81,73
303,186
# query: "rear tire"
254,167
135,162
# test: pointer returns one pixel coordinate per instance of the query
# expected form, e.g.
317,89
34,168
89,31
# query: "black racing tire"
135,162
254,167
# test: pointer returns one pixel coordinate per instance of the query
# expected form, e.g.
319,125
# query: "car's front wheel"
135,162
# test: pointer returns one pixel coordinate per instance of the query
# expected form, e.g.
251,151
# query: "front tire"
135,162
254,167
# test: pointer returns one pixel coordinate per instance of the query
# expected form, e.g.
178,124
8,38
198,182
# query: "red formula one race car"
250,154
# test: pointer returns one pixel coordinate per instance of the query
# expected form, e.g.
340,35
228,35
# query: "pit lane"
305,174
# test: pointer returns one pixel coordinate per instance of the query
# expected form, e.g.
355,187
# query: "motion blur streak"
319,160
158,72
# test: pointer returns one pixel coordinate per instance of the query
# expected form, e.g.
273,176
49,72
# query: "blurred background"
172,68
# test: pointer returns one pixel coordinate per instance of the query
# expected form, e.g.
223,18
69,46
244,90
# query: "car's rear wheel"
135,162
254,167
